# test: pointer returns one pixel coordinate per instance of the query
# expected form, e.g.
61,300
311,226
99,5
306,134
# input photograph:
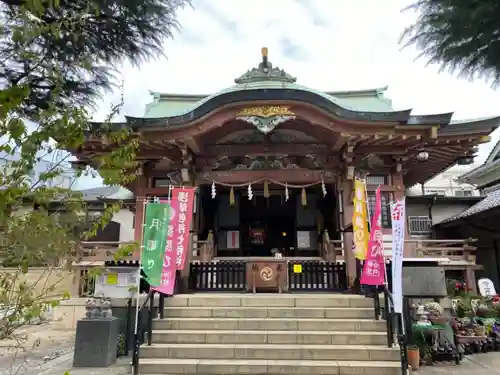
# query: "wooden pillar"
77,280
188,179
346,188
470,273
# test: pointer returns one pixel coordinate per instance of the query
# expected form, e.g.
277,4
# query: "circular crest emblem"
266,274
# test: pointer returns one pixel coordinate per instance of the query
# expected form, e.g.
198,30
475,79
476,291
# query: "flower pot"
438,320
480,331
414,358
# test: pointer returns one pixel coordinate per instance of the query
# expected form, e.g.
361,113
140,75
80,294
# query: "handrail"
138,334
137,338
390,316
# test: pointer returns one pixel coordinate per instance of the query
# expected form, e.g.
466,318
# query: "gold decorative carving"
266,111
266,274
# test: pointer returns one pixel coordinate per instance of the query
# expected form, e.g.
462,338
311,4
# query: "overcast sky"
327,44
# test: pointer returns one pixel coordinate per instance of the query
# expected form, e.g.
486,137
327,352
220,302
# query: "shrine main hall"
274,163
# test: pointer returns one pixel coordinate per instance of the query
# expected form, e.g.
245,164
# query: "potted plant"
413,356
416,348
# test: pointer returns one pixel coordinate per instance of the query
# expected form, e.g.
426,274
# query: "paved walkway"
65,364
478,364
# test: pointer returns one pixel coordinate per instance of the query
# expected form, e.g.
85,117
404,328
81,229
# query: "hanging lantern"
323,187
250,192
266,190
214,192
231,196
287,193
303,197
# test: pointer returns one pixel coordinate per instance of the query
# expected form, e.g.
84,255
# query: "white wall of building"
439,212
446,184
126,220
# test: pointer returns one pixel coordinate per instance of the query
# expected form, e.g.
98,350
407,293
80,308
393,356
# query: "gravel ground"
39,345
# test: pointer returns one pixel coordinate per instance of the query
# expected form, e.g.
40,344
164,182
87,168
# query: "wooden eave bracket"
193,145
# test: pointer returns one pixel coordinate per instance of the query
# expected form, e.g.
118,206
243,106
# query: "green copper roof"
265,77
167,105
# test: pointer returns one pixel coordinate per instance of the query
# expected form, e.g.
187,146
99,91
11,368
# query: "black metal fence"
316,276
229,276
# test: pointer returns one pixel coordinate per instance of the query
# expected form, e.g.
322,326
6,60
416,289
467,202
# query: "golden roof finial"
264,51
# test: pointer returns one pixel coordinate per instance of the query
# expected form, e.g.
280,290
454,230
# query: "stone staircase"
269,334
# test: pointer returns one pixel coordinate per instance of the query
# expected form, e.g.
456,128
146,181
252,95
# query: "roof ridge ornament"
265,72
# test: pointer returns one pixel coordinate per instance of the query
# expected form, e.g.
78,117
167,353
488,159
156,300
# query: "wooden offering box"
266,275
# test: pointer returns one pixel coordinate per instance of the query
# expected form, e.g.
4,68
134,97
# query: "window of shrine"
386,209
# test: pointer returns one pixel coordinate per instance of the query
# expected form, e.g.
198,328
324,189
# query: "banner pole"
368,213
368,207
140,268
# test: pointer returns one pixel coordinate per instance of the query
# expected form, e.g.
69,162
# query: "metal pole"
127,329
141,247
150,317
135,358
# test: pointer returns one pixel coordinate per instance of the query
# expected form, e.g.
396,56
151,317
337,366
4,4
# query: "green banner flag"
157,218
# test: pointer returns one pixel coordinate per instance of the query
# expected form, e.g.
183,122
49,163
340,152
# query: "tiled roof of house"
106,192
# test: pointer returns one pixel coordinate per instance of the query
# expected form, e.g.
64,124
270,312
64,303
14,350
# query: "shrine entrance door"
267,225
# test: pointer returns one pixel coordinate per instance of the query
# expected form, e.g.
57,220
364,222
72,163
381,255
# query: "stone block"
424,281
96,342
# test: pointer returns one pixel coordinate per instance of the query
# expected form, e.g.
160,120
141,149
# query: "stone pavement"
65,364
478,364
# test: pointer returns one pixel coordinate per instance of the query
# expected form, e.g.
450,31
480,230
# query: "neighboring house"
439,199
121,226
424,211
480,221
447,184
123,220
119,230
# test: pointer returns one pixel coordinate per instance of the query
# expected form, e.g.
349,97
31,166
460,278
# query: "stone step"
270,337
255,367
269,312
272,352
275,324
268,300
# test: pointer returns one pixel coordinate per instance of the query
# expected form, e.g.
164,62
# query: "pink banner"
182,224
373,270
167,284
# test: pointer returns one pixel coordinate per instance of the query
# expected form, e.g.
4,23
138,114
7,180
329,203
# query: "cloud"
327,44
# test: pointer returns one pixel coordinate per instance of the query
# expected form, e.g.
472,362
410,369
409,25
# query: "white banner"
398,215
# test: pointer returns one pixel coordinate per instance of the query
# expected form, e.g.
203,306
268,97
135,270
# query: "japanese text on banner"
185,199
156,220
167,283
398,216
373,270
360,220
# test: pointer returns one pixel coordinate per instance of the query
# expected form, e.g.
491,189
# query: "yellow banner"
360,220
